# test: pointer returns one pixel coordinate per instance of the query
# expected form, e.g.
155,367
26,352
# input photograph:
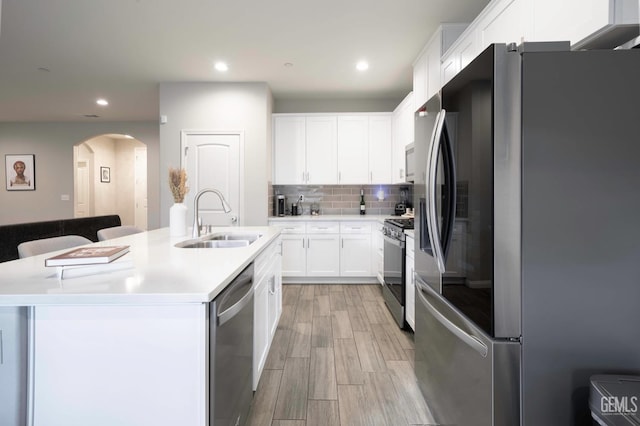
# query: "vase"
178,220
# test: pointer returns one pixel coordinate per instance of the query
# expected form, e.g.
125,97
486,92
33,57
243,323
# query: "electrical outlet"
301,198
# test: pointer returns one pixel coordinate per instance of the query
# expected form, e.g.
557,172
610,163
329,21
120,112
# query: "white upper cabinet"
305,150
364,149
380,149
289,151
508,21
585,23
353,149
402,127
322,150
593,24
427,68
329,149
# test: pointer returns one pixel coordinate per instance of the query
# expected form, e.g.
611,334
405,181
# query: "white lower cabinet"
294,255
377,254
267,305
355,255
260,328
329,249
355,249
323,255
275,294
13,365
410,302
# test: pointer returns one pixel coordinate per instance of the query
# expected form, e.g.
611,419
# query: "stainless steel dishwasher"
231,355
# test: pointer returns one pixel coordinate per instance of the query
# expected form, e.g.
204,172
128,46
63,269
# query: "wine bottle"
362,206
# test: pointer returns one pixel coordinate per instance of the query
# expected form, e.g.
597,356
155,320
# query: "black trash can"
614,400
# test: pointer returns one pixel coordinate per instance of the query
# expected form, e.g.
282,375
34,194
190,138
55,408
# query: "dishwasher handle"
245,277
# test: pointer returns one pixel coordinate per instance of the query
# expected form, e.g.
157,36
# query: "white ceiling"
122,49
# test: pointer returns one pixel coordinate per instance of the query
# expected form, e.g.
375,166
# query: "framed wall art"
20,172
105,174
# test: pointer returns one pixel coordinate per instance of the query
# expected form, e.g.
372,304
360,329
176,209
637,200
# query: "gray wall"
52,144
220,106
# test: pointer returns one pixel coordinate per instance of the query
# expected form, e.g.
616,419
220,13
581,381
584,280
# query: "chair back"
117,231
46,245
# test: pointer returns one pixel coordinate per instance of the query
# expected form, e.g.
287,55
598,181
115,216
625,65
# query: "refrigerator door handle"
423,294
432,163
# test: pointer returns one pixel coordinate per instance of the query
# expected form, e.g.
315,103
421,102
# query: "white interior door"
140,216
82,190
213,159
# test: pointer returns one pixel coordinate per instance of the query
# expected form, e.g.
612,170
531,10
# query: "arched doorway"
110,177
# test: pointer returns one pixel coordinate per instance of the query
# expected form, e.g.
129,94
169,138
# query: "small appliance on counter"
296,209
315,209
404,204
280,206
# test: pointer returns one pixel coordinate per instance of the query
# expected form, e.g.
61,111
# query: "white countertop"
154,271
409,233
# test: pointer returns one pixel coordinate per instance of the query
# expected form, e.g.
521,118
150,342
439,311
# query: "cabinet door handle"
339,176
401,173
303,177
303,243
308,243
371,177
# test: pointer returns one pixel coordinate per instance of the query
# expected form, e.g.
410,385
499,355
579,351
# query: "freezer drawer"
466,378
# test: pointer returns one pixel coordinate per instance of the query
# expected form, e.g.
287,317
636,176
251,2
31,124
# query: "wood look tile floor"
338,358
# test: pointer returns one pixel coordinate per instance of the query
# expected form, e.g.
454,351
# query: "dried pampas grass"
178,184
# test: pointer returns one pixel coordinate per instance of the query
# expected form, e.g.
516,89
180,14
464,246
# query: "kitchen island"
125,343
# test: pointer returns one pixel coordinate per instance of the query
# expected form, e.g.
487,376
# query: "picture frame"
20,172
105,174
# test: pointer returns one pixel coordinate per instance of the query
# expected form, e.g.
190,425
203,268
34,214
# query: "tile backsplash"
343,199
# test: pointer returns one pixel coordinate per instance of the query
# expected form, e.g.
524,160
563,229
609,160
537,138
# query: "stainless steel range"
393,288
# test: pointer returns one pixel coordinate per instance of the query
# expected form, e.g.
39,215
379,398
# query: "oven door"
393,288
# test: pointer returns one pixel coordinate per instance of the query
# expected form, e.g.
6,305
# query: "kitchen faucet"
196,208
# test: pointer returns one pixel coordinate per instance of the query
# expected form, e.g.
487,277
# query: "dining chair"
117,231
45,245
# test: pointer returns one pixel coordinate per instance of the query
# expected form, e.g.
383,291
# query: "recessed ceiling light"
288,64
102,102
221,66
362,66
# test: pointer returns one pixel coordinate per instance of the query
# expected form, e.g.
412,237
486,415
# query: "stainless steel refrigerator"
534,151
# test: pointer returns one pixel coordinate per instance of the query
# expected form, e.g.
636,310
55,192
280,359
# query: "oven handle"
424,293
394,242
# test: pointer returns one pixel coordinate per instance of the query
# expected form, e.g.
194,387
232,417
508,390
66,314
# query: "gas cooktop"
404,223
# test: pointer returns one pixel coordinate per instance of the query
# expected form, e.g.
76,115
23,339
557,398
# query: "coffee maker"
404,204
280,205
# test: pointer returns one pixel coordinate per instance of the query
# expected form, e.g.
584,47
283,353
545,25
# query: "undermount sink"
221,240
232,236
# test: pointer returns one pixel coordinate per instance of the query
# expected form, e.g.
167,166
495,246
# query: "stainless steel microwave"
409,162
